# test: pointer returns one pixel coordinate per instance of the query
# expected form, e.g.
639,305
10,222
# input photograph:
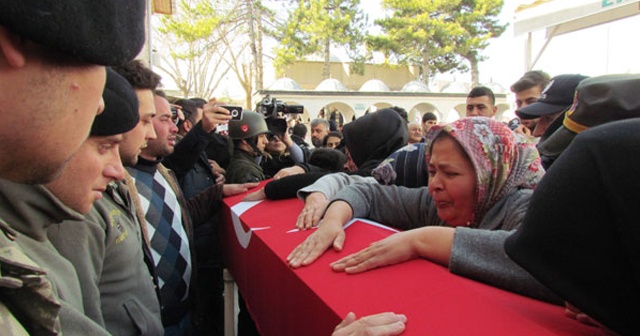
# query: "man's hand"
234,189
294,170
286,139
255,196
383,324
214,115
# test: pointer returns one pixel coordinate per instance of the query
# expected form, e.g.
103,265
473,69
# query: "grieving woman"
481,176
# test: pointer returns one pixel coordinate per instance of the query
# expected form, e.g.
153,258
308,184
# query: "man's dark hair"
189,108
402,112
531,79
480,91
200,102
300,130
429,116
139,75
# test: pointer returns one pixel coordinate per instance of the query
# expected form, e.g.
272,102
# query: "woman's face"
349,165
275,146
333,141
452,181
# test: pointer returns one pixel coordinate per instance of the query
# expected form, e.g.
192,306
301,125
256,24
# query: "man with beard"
170,220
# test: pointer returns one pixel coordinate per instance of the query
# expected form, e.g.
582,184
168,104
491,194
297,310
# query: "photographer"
282,151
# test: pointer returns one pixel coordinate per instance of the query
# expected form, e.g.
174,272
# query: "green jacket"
106,250
243,168
53,298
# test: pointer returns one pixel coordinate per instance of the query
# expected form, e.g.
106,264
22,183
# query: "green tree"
438,35
317,25
478,20
418,32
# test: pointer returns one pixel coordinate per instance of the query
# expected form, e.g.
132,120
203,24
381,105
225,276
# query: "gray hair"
318,121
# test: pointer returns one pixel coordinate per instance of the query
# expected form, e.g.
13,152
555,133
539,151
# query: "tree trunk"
326,72
258,61
475,72
254,30
426,69
247,70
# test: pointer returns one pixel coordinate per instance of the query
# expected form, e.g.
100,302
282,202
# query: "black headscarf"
373,137
370,139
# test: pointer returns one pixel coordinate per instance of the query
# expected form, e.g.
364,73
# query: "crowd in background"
111,190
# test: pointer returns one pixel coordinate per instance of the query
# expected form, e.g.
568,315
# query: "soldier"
249,141
32,209
106,246
52,58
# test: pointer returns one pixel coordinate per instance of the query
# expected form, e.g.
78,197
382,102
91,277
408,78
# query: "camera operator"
282,151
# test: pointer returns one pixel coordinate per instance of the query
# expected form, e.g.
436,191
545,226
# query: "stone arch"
377,106
417,111
502,111
458,111
345,110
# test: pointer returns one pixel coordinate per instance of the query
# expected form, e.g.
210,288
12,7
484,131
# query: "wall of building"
309,74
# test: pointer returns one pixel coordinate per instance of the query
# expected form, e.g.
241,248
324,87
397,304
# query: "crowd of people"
111,190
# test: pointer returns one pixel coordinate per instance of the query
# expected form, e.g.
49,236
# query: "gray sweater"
477,253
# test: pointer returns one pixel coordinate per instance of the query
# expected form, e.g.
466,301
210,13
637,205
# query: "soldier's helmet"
250,125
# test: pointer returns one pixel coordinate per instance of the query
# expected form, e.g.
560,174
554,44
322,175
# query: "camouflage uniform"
39,288
28,303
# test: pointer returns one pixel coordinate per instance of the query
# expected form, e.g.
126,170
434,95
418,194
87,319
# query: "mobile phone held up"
236,114
236,111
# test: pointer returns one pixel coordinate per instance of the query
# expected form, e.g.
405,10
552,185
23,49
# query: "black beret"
99,32
120,107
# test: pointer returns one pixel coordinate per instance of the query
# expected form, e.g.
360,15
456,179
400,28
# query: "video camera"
270,107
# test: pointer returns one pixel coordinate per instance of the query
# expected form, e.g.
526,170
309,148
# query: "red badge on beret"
245,128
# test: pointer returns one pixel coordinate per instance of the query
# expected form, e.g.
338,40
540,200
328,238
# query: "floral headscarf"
503,160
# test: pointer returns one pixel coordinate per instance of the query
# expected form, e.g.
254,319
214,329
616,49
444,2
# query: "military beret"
598,100
120,107
98,32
